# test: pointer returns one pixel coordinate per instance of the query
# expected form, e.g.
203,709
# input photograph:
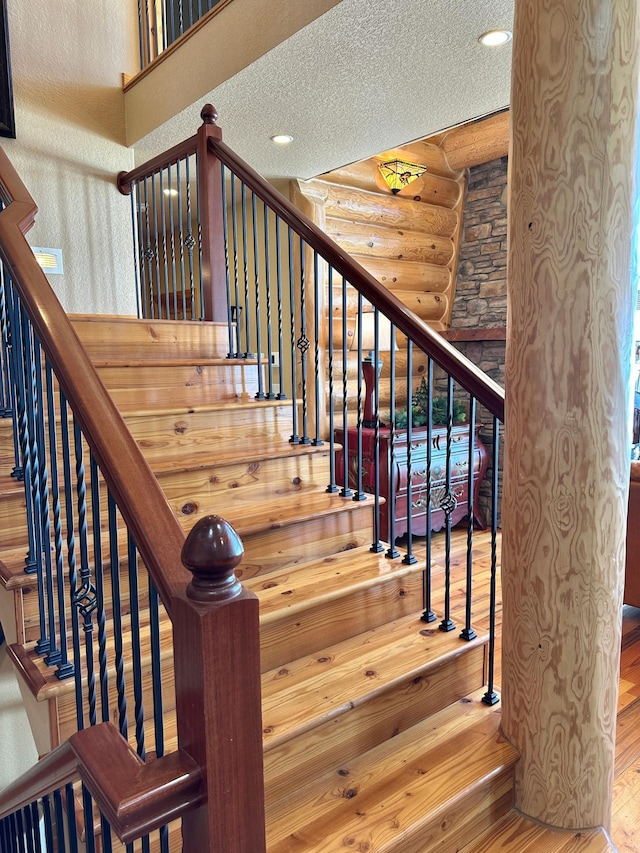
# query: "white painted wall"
67,60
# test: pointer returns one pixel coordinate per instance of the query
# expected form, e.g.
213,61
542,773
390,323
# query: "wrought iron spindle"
392,552
295,438
332,488
101,615
409,558
256,284
346,487
190,241
358,494
448,504
428,615
376,546
317,441
245,268
467,632
491,697
149,256
183,284
172,242
156,683
162,202
134,606
227,268
65,667
114,560
157,293
6,403
136,231
303,346
281,395
267,288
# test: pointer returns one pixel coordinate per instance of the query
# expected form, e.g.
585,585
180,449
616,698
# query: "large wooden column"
572,289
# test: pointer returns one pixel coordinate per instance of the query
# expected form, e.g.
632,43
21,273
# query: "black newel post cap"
211,552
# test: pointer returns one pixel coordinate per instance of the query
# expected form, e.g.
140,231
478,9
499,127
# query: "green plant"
420,410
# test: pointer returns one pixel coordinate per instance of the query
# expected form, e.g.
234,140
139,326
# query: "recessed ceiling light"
494,38
170,191
281,139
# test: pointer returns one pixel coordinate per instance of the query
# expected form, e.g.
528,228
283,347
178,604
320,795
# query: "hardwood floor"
625,828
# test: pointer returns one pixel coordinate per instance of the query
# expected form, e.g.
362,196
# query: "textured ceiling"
366,76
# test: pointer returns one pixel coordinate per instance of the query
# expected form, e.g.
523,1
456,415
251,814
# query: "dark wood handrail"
140,499
162,161
135,796
464,372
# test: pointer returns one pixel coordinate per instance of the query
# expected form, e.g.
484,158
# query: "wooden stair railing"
135,796
209,613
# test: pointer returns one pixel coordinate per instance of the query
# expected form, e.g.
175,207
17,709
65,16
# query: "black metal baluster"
376,546
57,805
256,284
134,606
84,596
428,614
236,269
345,492
183,286
392,552
41,503
448,504
19,836
319,413
149,255
295,438
101,615
467,632
491,697
71,558
114,559
65,668
156,244
48,823
162,200
267,286
359,494
409,558
303,347
332,487
6,402
245,267
136,228
72,831
190,241
281,395
227,268
156,676
172,243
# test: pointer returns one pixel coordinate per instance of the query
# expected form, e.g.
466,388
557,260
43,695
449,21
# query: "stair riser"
216,489
138,388
332,622
335,741
184,434
117,340
449,831
280,547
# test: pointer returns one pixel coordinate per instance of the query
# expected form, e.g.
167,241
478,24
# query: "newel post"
218,697
214,276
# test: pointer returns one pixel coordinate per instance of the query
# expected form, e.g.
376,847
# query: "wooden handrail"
140,499
135,796
162,161
463,371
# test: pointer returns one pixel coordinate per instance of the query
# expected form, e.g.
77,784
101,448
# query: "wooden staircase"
375,738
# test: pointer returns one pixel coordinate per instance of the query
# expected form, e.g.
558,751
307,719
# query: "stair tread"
283,510
396,788
517,834
315,688
151,409
254,449
298,588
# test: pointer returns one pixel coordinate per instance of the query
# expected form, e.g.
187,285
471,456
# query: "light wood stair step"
432,787
112,339
517,834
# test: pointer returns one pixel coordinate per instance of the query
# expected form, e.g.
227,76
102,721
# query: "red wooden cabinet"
394,475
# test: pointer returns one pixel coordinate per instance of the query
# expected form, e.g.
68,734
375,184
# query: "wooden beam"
477,142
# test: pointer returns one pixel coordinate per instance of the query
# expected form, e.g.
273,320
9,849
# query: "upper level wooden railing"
217,701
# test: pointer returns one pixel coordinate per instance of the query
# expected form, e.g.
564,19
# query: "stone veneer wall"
481,289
